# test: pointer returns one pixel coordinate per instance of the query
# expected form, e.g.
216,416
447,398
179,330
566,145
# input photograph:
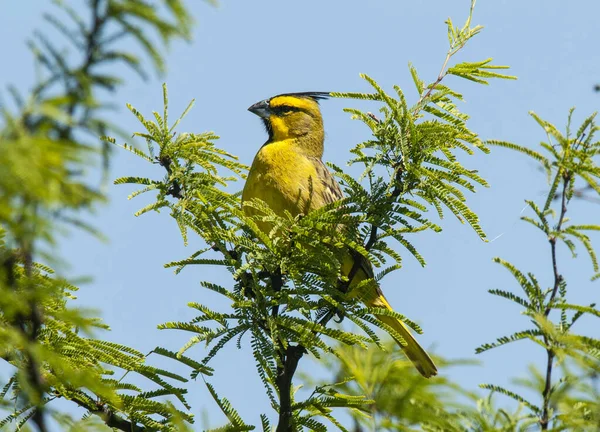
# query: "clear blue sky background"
243,52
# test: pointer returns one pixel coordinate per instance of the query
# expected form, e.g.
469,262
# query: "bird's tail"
373,297
412,349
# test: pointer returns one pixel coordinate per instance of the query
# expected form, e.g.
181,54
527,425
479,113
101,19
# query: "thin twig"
558,279
90,59
557,276
277,285
439,79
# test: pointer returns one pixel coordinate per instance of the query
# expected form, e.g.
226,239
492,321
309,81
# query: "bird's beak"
261,109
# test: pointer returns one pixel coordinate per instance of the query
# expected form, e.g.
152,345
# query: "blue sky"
245,52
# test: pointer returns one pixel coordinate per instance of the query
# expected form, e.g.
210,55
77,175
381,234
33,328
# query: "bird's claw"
339,316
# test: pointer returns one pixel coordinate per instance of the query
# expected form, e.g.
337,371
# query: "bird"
288,174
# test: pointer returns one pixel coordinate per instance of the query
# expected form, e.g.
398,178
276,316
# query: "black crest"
317,96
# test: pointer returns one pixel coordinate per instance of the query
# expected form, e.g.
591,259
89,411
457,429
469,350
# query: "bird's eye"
284,109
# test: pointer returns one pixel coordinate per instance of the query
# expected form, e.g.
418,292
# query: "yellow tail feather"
413,350
373,297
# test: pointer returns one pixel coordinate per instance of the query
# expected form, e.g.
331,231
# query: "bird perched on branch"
288,174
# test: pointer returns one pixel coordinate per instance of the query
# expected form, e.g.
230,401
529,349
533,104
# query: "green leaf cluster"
72,364
404,401
48,344
570,161
66,99
417,150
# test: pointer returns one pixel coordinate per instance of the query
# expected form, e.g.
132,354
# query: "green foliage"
49,345
417,151
570,162
37,190
65,100
286,285
406,401
74,366
235,421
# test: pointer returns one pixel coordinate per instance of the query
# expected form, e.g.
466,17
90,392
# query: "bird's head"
291,115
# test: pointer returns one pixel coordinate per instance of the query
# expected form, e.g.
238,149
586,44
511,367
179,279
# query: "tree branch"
558,279
29,325
285,373
276,284
108,416
114,421
91,45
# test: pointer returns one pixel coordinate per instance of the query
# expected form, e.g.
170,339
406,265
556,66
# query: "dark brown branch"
285,373
108,416
557,276
289,360
90,59
558,279
277,285
33,368
29,325
175,189
114,421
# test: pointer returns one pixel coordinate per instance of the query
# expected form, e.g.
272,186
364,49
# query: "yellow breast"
284,179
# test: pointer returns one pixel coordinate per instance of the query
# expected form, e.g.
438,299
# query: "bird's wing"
331,193
331,189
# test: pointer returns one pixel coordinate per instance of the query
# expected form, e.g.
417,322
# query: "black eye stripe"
281,109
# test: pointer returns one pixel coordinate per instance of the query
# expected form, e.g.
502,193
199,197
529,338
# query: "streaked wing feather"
331,193
331,189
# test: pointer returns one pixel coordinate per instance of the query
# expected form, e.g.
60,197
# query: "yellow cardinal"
288,174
